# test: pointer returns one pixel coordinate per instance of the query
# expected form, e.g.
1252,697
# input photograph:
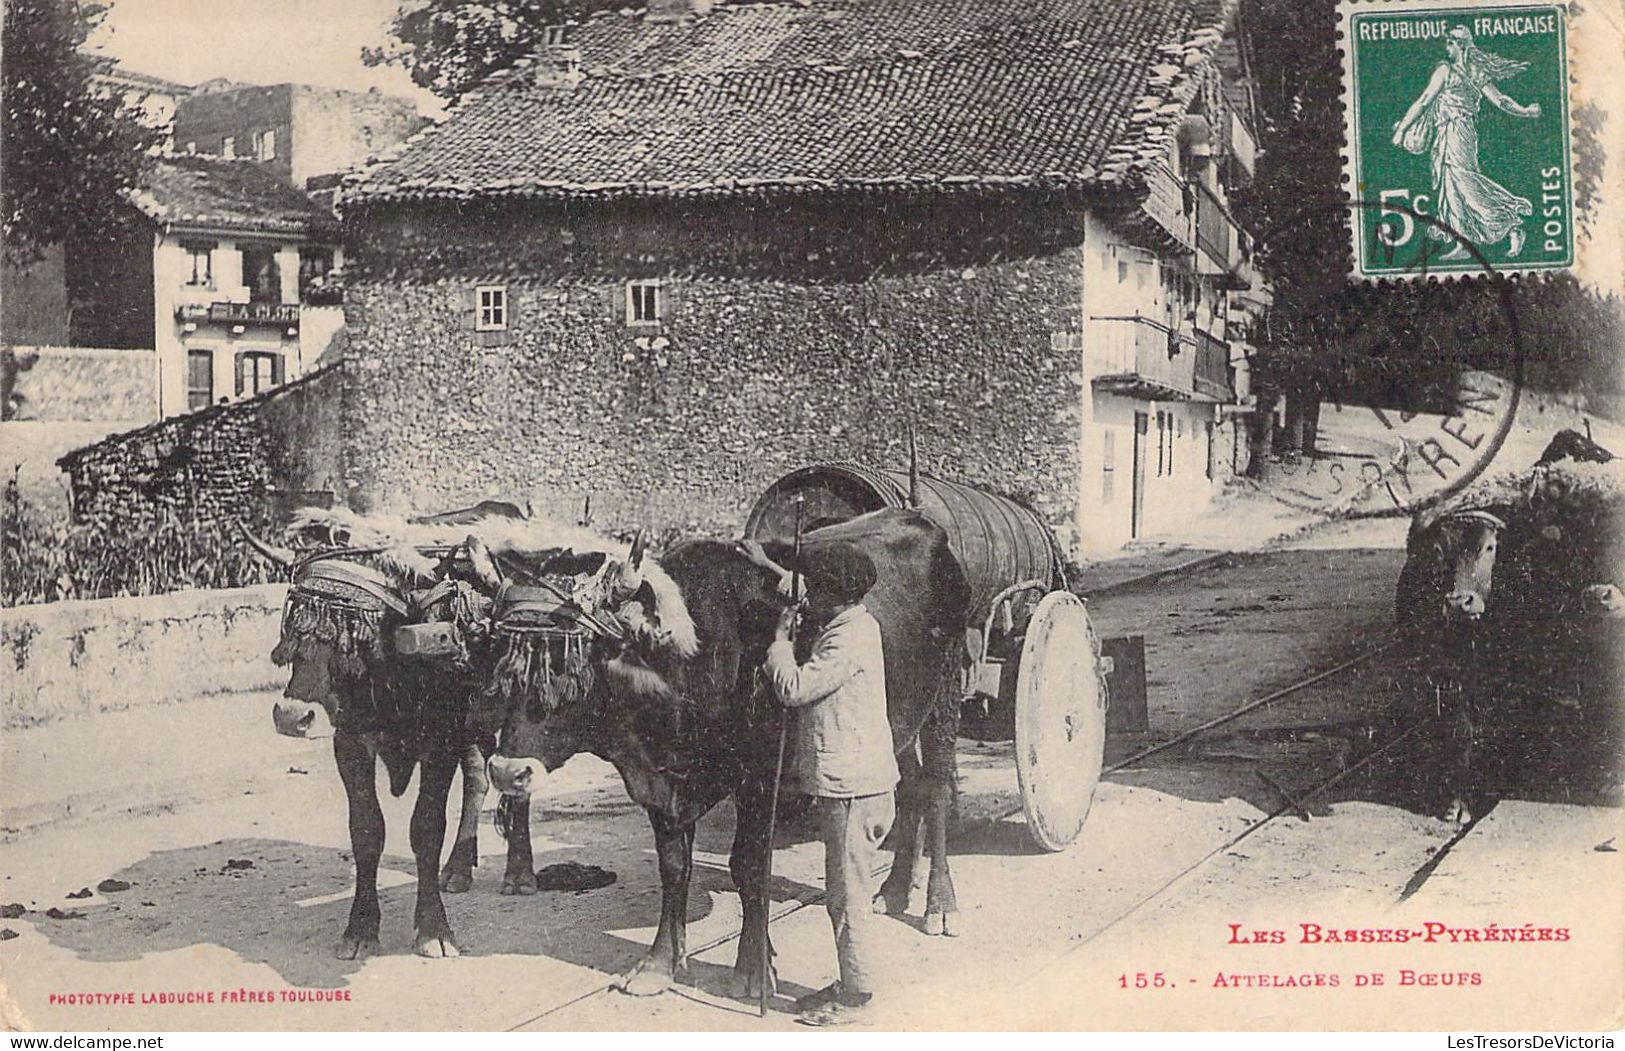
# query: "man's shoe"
826,995
838,1013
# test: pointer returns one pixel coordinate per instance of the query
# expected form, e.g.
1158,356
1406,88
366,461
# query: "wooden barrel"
998,541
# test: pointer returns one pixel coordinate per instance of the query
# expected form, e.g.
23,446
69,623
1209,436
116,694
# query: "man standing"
843,758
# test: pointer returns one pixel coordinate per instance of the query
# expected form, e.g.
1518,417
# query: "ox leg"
520,877
937,752
358,765
458,874
750,863
674,842
431,931
905,837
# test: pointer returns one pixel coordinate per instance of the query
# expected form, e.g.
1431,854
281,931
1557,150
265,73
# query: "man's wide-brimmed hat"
837,570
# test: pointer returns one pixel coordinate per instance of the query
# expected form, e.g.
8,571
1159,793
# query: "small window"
266,145
262,275
314,266
191,147
257,371
643,303
228,147
491,312
199,264
199,378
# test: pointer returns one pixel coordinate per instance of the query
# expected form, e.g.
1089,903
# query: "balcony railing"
1219,240
1141,357
1213,377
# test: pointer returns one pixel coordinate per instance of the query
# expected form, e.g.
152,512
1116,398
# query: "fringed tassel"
527,669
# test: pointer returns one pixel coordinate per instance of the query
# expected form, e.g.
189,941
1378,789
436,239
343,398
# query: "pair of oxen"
500,645
1511,595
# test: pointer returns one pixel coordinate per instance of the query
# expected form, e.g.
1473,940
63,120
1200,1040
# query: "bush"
45,558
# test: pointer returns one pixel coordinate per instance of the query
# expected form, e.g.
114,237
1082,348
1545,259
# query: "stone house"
685,249
298,131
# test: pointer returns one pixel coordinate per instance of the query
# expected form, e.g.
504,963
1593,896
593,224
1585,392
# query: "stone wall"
78,658
248,460
786,336
81,384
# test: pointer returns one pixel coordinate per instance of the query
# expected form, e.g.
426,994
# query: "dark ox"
1450,568
685,724
414,714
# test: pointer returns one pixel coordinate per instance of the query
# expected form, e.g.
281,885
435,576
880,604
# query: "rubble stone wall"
784,337
244,460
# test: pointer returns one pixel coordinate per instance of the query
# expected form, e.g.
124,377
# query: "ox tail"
503,819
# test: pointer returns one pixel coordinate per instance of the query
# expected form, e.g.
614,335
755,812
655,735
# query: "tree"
69,155
448,46
1324,339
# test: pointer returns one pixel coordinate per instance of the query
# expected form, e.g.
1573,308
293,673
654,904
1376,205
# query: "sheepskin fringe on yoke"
517,538
1593,492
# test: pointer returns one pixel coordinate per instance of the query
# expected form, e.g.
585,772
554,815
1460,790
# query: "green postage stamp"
1457,136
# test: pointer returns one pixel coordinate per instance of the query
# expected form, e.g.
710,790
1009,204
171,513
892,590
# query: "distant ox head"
1465,545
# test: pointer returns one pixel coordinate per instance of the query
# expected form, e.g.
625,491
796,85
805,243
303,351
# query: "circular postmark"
1417,393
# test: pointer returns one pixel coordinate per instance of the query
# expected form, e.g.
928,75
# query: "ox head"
333,632
640,682
1463,553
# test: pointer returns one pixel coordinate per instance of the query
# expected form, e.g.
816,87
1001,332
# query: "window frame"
193,250
247,368
265,145
195,355
491,316
635,315
228,147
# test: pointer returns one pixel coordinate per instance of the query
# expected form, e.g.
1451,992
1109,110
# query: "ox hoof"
940,923
456,882
351,947
1458,813
522,884
747,985
436,946
886,905
646,980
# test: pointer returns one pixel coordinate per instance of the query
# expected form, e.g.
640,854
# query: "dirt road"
246,894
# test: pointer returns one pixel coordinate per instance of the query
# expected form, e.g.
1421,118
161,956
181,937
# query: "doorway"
1142,429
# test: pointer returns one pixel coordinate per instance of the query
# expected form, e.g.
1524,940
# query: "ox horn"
484,566
1493,521
280,555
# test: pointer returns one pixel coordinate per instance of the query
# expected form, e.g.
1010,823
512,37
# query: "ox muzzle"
295,718
515,777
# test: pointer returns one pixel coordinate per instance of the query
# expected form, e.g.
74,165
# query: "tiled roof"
827,94
195,190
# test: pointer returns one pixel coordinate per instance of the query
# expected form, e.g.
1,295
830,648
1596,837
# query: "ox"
676,707
1503,592
410,712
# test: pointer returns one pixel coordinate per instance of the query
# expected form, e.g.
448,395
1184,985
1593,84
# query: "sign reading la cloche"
243,313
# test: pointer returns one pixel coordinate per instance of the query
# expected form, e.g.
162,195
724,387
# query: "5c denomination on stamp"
1458,110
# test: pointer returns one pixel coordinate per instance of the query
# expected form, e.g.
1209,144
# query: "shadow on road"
284,904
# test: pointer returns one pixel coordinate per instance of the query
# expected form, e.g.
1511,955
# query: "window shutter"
242,365
277,362
469,306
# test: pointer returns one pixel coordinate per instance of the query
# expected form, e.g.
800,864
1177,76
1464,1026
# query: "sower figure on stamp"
1444,121
843,758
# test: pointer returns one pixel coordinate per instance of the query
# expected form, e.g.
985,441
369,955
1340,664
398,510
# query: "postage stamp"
1457,128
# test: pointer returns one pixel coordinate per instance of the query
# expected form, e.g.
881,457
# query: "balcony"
1142,358
1213,378
1223,246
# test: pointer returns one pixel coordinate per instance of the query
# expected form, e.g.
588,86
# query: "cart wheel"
1060,720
